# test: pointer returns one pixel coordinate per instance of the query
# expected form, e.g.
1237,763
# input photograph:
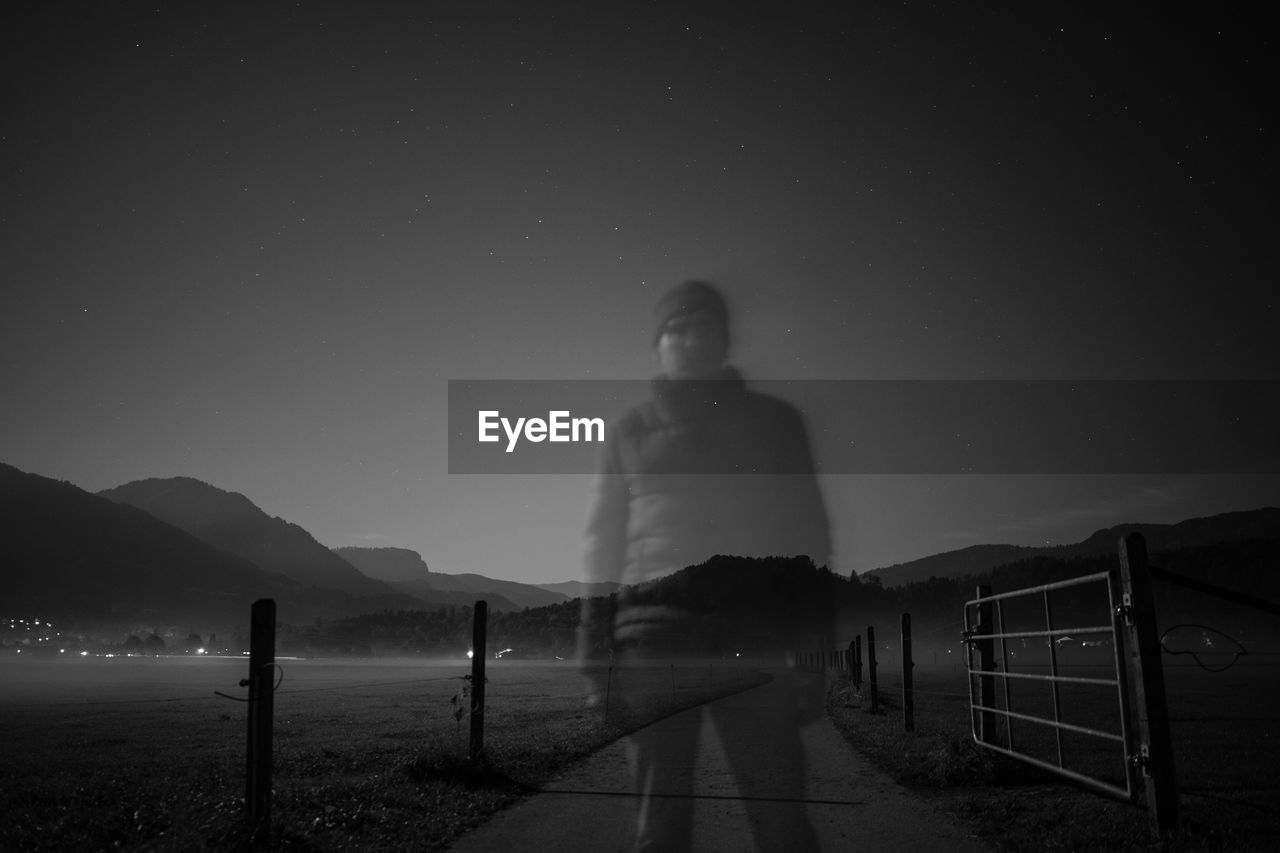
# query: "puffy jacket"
703,468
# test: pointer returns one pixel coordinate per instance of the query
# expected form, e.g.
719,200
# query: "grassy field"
1226,733
139,754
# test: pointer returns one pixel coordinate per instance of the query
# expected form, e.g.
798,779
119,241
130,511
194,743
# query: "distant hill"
1194,532
978,559
230,521
386,564
974,560
580,589
520,594
422,589
75,555
405,571
724,607
741,605
106,563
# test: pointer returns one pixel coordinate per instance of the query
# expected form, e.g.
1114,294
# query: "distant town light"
470,654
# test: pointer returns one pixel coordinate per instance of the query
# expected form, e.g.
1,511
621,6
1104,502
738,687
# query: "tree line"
757,605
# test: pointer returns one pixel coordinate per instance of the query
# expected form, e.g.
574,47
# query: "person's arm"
605,543
806,523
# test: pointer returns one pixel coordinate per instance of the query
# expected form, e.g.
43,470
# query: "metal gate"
1055,696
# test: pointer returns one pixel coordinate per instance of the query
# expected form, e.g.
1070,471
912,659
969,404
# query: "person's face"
693,346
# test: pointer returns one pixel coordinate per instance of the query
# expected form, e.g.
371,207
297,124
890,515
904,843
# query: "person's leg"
662,771
662,758
761,739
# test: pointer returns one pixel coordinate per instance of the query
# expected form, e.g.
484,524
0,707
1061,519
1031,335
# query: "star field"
252,246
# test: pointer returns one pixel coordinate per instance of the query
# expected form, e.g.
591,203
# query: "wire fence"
82,684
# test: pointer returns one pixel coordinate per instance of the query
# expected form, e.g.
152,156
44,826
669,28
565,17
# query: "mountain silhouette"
233,523
74,554
1225,527
423,590
179,550
386,564
107,563
581,589
477,586
405,570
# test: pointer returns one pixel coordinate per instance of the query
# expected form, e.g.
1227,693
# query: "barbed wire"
87,703
690,682
1195,656
898,686
366,685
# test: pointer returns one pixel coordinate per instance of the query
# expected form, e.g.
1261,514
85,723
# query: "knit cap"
687,299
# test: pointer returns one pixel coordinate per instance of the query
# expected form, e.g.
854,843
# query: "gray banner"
904,426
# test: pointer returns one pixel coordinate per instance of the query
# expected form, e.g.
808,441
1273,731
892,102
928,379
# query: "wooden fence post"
608,688
1156,756
986,663
871,667
479,630
261,684
908,688
857,662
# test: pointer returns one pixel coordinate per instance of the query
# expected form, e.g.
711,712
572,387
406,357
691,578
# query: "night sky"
251,243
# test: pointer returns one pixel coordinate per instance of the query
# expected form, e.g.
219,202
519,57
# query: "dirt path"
850,804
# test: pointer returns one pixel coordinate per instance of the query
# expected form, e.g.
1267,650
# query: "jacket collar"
681,399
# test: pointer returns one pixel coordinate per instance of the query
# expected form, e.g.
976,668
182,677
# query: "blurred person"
704,467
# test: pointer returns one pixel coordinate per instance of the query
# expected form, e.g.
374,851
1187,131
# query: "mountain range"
180,551
231,522
69,553
977,559
405,571
383,578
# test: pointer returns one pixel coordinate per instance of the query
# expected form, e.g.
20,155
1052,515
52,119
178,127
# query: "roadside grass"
367,759
1227,785
356,768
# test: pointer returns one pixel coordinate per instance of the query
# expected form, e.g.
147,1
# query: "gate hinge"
1142,761
1125,609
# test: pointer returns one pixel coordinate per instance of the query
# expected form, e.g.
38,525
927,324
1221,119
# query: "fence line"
1146,749
204,695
